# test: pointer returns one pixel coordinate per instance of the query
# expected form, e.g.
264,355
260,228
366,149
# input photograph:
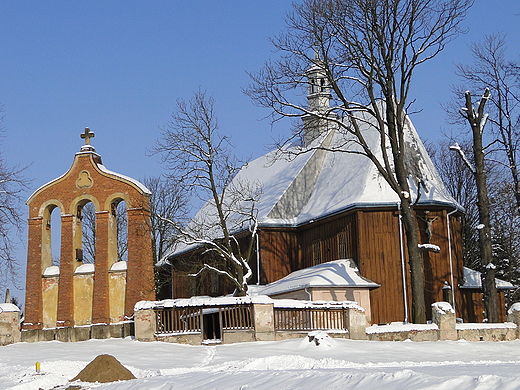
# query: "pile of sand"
104,368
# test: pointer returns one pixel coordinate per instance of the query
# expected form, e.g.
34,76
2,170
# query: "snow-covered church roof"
301,185
320,183
337,273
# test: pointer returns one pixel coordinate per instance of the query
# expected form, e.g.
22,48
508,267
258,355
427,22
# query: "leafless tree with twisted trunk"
199,160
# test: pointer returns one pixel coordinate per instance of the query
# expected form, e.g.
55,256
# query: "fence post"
443,316
356,323
263,320
9,324
145,324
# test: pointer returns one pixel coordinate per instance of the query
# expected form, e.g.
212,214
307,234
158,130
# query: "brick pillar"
67,267
100,305
33,287
140,276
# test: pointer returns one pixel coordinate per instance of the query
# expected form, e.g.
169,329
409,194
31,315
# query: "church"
321,205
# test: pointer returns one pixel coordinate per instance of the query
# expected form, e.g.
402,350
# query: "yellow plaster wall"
83,293
361,296
50,301
117,287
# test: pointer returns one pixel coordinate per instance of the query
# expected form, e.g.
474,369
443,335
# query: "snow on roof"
472,280
338,273
137,183
313,184
85,269
229,300
53,270
119,266
201,301
8,307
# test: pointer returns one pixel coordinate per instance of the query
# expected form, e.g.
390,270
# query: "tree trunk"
484,232
416,263
477,123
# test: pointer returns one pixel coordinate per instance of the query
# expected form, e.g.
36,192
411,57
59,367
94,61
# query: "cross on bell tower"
87,135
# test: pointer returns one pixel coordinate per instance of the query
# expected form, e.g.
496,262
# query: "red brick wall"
67,192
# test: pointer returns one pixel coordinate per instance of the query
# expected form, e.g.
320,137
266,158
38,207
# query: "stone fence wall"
443,327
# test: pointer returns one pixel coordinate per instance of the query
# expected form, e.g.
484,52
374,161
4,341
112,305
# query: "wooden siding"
371,238
380,261
279,254
473,305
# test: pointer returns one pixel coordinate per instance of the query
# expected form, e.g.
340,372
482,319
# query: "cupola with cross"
63,295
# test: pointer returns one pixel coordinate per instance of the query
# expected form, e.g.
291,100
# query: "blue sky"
119,67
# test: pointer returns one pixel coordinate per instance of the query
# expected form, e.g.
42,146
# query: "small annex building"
337,280
73,300
322,201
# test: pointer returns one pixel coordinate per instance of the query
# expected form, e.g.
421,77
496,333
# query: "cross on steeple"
87,135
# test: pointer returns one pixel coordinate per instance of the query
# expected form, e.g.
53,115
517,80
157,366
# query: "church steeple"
318,98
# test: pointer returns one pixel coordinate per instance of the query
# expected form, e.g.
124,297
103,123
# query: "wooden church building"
321,206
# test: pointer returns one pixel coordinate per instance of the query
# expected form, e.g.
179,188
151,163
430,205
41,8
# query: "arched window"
120,215
55,228
87,218
51,238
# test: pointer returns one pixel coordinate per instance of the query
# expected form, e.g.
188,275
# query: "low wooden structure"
229,320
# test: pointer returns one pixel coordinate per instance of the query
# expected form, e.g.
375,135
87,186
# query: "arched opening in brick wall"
86,219
119,212
56,236
51,236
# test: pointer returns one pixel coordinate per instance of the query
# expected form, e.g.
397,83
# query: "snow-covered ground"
291,364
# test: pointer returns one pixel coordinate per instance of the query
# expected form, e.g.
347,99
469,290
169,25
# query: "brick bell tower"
76,294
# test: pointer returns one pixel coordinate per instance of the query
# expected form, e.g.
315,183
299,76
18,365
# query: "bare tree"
88,222
477,120
491,69
12,184
460,182
167,203
199,160
367,52
505,225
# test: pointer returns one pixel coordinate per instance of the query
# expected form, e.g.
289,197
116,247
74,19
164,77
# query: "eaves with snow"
337,273
302,185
